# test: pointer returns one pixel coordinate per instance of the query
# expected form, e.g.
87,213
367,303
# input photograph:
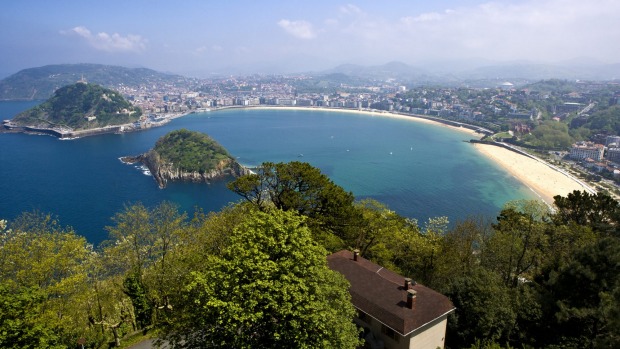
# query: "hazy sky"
202,36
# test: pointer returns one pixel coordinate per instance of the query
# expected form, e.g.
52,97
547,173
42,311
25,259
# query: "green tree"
302,188
398,243
583,298
550,134
599,211
376,228
110,310
45,263
190,151
20,323
460,249
517,247
142,243
606,121
270,288
484,309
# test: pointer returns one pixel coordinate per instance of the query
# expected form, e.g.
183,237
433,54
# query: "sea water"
417,169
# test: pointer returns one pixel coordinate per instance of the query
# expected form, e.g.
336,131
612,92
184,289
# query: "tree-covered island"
190,156
80,106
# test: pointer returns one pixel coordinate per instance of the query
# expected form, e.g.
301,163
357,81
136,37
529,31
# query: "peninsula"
76,110
188,156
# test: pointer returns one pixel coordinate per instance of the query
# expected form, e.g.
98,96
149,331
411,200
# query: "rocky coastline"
164,172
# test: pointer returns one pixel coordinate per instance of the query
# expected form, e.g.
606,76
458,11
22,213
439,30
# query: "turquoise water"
419,170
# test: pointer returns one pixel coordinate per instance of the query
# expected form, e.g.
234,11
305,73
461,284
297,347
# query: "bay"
420,170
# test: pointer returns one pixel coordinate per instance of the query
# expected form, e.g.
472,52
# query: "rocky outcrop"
164,172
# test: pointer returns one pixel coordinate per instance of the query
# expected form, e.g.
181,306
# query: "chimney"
356,253
411,295
407,283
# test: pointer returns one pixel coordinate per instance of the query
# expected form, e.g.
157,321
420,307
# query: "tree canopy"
299,187
270,288
191,151
72,105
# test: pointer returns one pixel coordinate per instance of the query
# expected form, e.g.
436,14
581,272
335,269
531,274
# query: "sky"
200,37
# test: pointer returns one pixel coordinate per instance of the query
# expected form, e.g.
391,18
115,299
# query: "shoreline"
539,176
542,178
463,127
71,134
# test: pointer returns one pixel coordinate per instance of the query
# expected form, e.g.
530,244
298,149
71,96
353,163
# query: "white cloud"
200,49
109,42
350,9
535,30
424,17
299,29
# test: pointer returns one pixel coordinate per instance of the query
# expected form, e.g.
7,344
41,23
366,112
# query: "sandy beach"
543,179
537,175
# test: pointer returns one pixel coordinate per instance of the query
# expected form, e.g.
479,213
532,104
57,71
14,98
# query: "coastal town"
550,121
500,111
325,175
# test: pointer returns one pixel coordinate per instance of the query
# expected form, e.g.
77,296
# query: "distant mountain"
41,82
391,70
545,71
80,106
485,71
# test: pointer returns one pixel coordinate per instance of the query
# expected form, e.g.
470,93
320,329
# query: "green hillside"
41,82
191,151
80,106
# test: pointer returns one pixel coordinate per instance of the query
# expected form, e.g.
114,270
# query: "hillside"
41,82
80,107
190,156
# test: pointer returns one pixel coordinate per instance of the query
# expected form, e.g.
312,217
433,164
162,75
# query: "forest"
80,106
254,274
190,151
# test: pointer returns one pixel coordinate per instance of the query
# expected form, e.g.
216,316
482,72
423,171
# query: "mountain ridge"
79,106
39,83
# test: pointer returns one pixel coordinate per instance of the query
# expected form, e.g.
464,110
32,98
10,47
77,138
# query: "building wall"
612,139
581,151
431,336
613,154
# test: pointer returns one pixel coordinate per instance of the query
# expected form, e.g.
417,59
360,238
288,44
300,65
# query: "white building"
585,150
395,312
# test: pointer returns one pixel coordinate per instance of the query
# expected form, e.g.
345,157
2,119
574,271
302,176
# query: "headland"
184,155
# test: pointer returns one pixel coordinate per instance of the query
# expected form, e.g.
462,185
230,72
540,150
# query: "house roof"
381,294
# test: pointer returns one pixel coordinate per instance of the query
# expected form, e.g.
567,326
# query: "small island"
77,110
188,156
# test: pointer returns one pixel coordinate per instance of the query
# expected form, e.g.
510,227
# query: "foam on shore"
542,178
537,175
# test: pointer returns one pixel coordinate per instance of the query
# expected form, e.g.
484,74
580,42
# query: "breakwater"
62,134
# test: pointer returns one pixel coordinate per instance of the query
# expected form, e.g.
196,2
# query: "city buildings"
587,150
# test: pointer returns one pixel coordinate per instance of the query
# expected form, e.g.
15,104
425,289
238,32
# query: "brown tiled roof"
380,293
